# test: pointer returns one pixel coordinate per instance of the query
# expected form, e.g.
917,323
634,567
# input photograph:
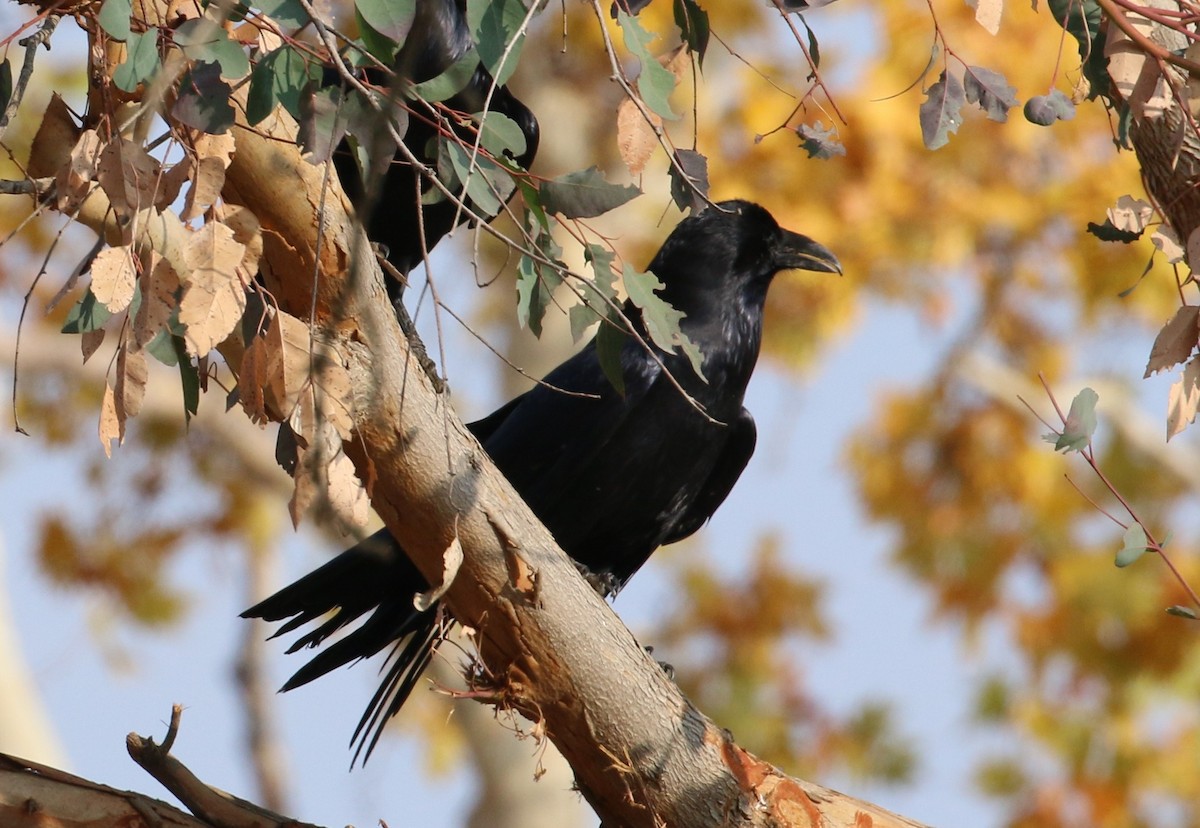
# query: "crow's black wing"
739,446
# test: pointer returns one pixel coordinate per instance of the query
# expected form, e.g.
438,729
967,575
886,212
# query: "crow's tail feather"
376,579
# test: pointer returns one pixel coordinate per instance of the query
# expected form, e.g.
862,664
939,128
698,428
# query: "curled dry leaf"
1165,240
1184,399
1130,214
452,559
113,277
214,296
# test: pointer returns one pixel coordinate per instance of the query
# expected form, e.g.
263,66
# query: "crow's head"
733,248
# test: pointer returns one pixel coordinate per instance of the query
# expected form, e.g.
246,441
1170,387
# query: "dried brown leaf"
213,156
74,181
111,427
89,342
160,295
113,277
636,139
252,379
347,497
129,175
1184,399
172,181
131,382
1176,341
214,295
248,233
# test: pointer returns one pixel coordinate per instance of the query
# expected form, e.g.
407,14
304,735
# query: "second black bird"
612,476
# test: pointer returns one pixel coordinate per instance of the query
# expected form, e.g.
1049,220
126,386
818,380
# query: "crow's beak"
797,252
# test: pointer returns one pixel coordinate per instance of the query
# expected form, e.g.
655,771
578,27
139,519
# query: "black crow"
613,476
438,38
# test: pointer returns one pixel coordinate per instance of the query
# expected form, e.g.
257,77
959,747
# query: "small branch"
39,187
208,804
1117,16
30,43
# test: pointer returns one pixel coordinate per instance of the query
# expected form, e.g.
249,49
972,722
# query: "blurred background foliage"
983,240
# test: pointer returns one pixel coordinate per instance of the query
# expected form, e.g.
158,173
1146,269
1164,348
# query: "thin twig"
41,36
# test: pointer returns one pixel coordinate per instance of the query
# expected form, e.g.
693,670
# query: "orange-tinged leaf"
1176,341
636,139
113,277
214,295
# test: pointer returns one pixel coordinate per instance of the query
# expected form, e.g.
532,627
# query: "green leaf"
536,280
500,133
450,82
378,45
1081,422
941,113
584,194
321,122
203,100
391,18
662,320
114,18
280,77
189,376
203,40
162,348
598,297
655,83
693,27
684,191
1134,545
87,315
1082,19
488,184
1044,110
533,203
284,12
1183,612
990,91
494,25
141,60
610,341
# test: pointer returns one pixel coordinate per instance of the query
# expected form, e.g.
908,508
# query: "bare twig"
41,36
